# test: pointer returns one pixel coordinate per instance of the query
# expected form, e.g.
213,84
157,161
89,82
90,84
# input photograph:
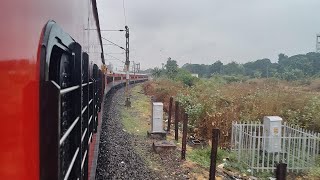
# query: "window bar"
71,164
83,135
84,159
90,138
66,134
90,120
84,109
69,89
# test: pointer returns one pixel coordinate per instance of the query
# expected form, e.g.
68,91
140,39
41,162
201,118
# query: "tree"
156,72
300,62
315,60
290,68
171,68
215,68
200,69
282,61
258,68
282,57
233,68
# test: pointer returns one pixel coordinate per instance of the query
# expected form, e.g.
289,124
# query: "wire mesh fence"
296,147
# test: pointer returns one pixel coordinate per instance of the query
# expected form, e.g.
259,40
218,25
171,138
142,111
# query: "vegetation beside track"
221,99
136,121
216,103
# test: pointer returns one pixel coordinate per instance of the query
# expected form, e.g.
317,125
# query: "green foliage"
292,68
133,119
315,171
157,73
264,175
185,77
200,69
310,114
200,156
231,79
217,79
292,74
260,68
233,68
191,106
171,68
216,68
170,71
203,156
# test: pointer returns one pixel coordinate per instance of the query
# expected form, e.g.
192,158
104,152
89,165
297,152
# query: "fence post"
184,136
169,118
214,151
176,121
281,171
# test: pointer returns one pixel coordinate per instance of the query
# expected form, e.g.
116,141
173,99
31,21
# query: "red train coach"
52,86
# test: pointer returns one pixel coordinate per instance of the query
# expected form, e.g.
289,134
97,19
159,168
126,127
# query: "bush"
191,107
231,79
292,75
185,77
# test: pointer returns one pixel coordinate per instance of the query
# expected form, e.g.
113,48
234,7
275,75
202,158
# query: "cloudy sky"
204,31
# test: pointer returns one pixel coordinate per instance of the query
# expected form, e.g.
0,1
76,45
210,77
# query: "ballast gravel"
117,158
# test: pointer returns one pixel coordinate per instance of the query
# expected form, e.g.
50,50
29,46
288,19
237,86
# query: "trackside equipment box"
157,117
272,133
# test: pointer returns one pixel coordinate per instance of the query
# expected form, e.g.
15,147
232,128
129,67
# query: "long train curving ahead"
53,80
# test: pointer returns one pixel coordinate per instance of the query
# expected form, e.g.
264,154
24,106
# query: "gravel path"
117,159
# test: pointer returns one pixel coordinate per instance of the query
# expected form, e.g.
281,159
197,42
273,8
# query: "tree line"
288,68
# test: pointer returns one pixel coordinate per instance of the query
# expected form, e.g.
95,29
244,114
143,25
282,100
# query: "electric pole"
134,71
127,63
138,67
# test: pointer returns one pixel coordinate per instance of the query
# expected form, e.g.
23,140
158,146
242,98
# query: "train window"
109,79
64,106
85,116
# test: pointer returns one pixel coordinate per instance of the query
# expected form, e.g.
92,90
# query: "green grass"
134,118
200,156
203,156
264,175
315,171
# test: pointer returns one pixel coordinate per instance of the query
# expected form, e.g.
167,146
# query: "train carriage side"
52,88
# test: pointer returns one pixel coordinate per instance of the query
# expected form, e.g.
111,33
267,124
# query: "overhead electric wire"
113,43
115,58
114,53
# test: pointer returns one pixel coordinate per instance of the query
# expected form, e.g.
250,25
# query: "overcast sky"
204,31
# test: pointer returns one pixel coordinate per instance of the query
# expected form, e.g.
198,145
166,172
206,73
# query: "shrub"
185,77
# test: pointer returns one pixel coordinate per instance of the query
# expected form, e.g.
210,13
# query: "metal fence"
298,148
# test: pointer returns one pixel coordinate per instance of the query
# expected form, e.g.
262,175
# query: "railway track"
117,158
